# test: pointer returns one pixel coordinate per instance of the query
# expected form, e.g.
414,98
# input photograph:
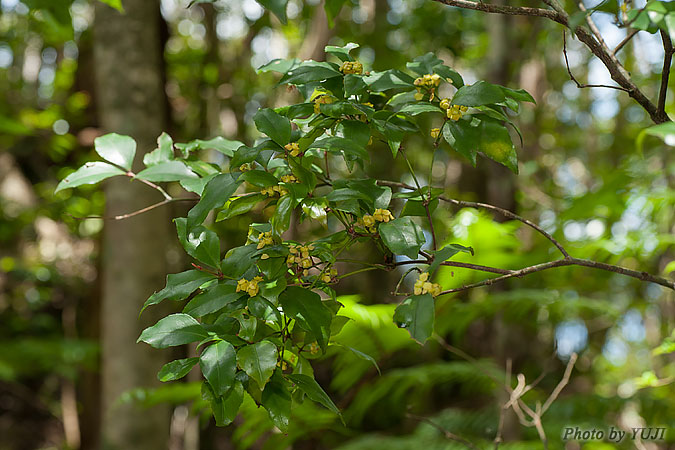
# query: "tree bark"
130,101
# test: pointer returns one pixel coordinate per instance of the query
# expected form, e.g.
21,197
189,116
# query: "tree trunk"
130,101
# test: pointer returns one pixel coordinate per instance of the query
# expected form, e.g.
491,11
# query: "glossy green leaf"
274,125
416,314
276,399
163,152
258,360
173,330
225,407
343,53
116,149
463,137
199,242
175,370
389,79
211,300
240,205
216,193
479,93
281,220
259,178
307,308
310,71
238,260
311,388
179,286
403,236
219,364
446,253
89,173
166,171
495,142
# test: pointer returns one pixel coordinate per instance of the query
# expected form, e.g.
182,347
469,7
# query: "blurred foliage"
581,177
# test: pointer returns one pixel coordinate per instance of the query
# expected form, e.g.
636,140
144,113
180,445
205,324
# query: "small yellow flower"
289,179
293,148
435,132
463,108
245,167
265,239
264,256
325,278
305,273
419,96
445,103
322,100
306,263
250,287
349,67
423,286
368,220
313,348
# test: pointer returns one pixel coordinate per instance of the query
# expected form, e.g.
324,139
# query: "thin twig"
151,184
135,213
572,77
458,264
665,73
625,41
561,385
618,73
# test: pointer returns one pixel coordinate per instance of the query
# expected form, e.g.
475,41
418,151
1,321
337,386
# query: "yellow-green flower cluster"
247,166
351,67
429,81
264,239
380,215
271,191
328,276
250,287
289,179
293,148
321,100
299,255
423,286
435,132
454,112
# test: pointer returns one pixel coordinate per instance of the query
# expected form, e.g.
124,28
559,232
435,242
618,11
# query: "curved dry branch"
506,274
618,73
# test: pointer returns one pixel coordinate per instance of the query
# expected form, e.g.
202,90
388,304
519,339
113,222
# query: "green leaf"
389,79
212,300
349,148
240,205
258,360
343,53
446,253
259,178
403,236
416,208
116,149
276,399
163,152
307,308
274,125
225,407
219,364
463,137
173,330
179,286
196,185
364,356
175,370
496,143
166,171
225,146
238,260
416,314
663,131
415,109
200,243
216,193
117,4
520,95
281,219
477,94
278,7
310,71
354,85
90,173
311,388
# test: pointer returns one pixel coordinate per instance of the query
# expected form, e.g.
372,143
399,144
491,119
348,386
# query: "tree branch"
625,41
569,71
616,70
665,73
566,261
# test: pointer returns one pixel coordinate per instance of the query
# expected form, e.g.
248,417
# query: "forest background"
71,374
